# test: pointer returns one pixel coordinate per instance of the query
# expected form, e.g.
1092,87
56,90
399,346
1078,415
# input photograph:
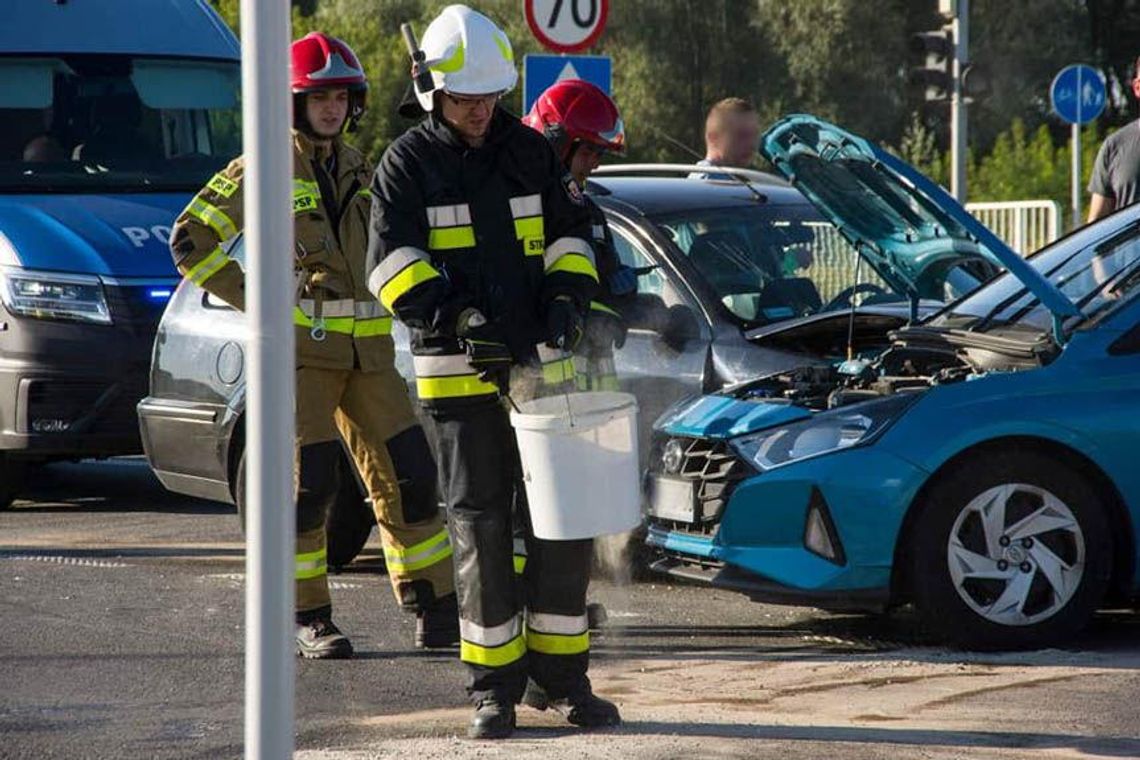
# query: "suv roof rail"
737,173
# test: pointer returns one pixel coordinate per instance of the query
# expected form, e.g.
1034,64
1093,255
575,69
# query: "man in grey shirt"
1115,179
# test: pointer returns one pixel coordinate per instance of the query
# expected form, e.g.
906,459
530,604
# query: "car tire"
13,478
348,524
1010,551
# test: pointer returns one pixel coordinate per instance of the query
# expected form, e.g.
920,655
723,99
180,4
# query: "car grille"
80,406
716,469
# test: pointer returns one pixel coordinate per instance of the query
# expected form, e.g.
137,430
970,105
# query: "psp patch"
223,185
573,191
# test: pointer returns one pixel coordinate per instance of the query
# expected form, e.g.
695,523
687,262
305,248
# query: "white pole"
270,525
961,30
1076,149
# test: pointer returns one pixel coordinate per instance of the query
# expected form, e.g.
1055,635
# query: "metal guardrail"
1024,225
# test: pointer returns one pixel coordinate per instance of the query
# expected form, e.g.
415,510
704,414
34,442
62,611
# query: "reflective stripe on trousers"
493,646
424,554
557,634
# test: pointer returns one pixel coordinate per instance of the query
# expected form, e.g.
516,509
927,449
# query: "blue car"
983,467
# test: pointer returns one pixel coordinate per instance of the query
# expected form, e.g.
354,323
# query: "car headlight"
53,295
826,432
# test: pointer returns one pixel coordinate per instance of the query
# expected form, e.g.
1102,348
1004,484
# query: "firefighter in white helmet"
479,243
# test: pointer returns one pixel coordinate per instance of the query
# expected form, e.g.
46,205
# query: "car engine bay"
918,358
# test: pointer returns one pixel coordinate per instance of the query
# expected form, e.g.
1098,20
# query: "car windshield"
772,262
1095,272
91,123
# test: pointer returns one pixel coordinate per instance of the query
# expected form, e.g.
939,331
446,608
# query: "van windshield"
93,123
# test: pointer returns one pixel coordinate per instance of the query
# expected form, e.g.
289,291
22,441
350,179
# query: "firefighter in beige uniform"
347,384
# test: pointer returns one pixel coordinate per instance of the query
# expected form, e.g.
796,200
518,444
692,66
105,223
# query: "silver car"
738,277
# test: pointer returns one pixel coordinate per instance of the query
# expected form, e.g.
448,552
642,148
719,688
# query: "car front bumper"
757,543
69,389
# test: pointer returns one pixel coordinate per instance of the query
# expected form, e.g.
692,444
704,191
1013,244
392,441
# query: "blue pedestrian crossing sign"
541,71
1078,94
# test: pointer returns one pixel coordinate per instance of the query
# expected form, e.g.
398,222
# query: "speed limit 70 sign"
566,26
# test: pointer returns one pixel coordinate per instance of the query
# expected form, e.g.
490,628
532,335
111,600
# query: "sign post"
268,183
961,32
1078,96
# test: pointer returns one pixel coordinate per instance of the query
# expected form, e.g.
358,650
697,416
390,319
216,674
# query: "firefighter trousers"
507,635
371,412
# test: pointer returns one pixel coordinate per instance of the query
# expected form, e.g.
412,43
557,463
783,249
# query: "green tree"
844,61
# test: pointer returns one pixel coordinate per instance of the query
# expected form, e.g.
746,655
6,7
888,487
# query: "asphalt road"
122,637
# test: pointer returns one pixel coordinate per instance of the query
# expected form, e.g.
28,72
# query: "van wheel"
1014,549
13,478
348,524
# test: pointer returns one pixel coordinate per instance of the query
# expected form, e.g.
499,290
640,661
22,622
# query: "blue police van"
112,114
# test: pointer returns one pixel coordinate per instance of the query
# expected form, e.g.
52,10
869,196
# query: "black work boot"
494,719
437,626
320,639
582,708
535,696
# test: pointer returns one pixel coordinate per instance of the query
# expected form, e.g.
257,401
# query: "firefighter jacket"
502,228
339,324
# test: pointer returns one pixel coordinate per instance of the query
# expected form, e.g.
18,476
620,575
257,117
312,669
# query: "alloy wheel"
1016,554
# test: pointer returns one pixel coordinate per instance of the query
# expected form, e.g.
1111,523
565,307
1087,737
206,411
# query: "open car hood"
903,224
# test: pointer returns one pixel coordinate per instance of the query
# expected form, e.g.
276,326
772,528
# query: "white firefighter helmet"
468,55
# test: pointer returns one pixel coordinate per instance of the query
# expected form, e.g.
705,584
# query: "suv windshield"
1094,272
774,262
88,123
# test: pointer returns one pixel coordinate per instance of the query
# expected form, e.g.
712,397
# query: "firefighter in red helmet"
583,125
347,385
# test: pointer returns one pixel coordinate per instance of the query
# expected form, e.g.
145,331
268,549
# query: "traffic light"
937,72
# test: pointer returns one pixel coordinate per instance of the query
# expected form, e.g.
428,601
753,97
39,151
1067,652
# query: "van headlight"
54,295
824,433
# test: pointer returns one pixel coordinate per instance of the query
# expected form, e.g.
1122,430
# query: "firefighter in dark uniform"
480,244
347,384
582,125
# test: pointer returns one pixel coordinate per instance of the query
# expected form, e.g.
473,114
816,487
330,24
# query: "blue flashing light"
159,294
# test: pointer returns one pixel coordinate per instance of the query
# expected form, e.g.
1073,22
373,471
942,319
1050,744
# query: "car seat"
788,297
722,257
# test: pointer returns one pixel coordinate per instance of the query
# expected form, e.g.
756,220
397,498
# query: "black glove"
487,353
604,331
445,320
564,327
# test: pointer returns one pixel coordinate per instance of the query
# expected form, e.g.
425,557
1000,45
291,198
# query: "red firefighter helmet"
321,62
573,111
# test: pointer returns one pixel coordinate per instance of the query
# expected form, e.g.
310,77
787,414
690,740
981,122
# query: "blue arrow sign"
1078,94
541,71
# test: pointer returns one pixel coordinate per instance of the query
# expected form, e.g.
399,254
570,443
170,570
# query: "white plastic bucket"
580,465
